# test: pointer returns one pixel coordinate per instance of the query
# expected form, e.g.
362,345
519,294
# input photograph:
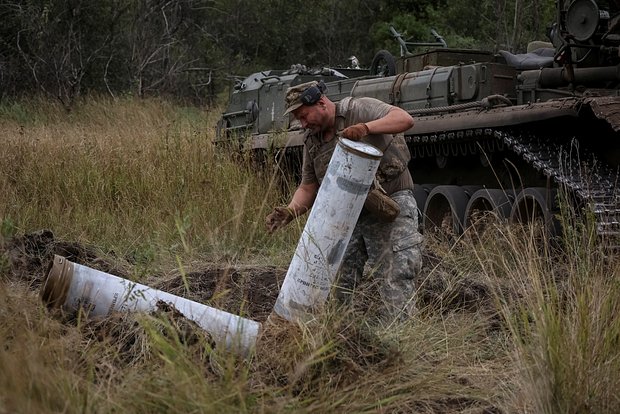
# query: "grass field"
505,324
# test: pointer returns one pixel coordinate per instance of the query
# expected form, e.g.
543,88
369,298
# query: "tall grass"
560,302
505,323
131,176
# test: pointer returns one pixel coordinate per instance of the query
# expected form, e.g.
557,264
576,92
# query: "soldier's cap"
303,94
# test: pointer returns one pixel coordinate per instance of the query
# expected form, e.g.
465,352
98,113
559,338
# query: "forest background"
192,49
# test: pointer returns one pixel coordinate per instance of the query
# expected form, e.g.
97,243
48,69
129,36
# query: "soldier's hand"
355,132
278,218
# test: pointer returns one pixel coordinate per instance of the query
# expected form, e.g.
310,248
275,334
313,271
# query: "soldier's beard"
315,128
320,127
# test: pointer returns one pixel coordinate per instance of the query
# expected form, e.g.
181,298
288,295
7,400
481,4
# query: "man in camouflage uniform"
392,249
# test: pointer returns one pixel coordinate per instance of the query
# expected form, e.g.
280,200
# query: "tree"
189,48
56,44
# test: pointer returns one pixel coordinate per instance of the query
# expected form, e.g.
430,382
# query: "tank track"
573,168
595,184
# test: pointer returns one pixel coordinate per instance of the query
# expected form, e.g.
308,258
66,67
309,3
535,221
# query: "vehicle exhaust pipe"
328,230
71,286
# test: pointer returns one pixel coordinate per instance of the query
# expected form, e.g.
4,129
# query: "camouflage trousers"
391,252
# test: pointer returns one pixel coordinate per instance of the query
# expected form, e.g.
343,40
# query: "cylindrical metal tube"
554,77
71,286
328,229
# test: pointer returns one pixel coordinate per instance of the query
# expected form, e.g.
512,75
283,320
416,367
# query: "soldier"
390,245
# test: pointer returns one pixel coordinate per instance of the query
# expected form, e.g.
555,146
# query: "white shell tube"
328,229
71,286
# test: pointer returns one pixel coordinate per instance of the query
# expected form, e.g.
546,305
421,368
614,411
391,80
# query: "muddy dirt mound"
248,291
444,288
30,256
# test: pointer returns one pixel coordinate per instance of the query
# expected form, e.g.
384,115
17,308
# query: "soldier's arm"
303,198
397,120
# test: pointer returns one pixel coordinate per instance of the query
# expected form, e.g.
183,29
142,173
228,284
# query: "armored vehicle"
494,132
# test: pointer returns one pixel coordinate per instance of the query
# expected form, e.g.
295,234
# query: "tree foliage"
190,48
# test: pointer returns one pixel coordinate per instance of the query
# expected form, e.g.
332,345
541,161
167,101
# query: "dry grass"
137,177
559,302
505,325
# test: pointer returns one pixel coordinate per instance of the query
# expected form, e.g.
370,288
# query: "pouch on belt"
380,205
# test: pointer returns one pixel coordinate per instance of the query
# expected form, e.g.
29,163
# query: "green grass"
504,323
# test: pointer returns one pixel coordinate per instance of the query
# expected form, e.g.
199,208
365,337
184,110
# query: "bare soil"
247,290
250,290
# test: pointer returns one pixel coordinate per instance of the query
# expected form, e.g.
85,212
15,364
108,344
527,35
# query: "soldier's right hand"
355,132
278,218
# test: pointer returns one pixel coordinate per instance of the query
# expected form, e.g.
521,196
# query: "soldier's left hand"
278,218
355,132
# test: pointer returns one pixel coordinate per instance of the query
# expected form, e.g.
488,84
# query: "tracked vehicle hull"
499,133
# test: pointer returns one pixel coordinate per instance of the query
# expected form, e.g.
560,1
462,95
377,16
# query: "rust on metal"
56,286
606,108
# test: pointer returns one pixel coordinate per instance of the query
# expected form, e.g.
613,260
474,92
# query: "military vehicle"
494,132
